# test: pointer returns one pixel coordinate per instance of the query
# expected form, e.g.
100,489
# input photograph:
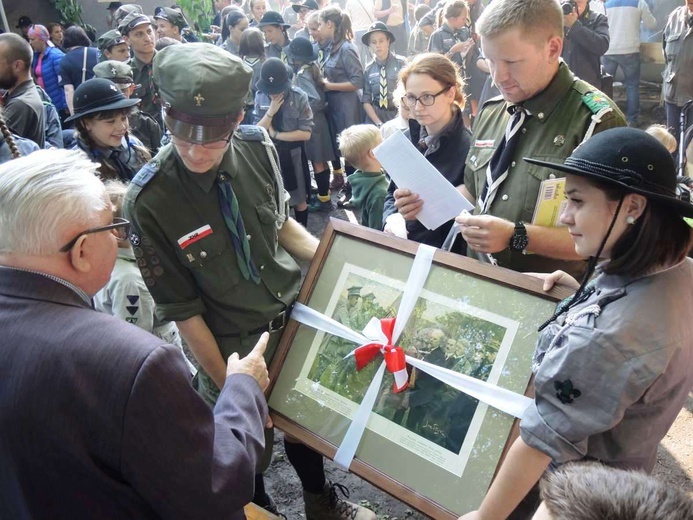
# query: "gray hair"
588,491
43,194
542,18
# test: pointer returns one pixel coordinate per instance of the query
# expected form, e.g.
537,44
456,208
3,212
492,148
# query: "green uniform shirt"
560,120
141,75
184,248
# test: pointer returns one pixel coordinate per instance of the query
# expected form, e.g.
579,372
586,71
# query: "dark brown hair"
252,44
342,24
439,68
659,238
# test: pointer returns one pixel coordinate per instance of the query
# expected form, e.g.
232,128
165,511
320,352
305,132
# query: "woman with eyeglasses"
102,129
433,93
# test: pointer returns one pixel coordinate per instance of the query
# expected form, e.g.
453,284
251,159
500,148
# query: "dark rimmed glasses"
120,228
426,99
214,145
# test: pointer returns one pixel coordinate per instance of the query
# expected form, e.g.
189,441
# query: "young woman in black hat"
284,111
613,364
319,148
274,28
101,129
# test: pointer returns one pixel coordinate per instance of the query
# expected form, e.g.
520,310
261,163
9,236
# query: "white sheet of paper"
410,170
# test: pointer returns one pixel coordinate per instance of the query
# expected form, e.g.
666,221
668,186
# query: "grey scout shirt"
444,38
184,248
611,377
295,113
371,85
559,121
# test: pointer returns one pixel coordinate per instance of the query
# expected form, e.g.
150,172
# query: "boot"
328,506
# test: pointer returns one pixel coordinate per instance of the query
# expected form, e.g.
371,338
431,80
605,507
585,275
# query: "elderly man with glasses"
99,418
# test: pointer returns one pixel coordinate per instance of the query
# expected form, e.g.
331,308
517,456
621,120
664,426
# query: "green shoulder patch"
595,101
146,173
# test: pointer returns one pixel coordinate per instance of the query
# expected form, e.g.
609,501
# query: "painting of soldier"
441,331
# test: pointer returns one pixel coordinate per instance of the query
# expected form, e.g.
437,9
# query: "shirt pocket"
212,262
476,165
267,215
290,117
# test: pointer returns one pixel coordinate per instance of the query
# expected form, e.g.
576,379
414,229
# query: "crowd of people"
153,178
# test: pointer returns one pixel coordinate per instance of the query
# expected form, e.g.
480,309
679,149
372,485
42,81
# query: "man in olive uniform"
113,47
142,125
549,112
212,237
137,32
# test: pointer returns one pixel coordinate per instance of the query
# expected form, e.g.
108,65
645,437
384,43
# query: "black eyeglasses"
426,99
120,228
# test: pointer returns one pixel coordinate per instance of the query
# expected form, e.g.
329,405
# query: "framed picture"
431,446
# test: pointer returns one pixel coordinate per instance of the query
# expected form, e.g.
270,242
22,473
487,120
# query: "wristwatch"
519,240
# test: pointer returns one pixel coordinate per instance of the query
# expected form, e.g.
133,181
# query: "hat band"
137,21
625,176
200,120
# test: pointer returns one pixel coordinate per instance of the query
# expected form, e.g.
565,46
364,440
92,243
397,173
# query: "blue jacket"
50,71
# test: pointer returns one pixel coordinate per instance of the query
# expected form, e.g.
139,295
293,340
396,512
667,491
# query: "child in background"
401,122
320,147
368,182
126,296
284,111
662,135
421,33
252,51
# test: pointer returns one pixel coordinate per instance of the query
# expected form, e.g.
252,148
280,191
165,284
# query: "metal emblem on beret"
198,99
559,140
113,71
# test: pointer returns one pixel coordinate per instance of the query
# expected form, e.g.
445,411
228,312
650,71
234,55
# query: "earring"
630,219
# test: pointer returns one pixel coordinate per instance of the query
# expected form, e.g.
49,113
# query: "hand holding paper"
410,170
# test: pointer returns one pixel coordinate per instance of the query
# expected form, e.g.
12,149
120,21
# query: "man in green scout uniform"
113,47
522,43
137,32
212,237
142,125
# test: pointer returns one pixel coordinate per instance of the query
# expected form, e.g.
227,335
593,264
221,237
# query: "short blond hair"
116,192
542,18
662,135
356,141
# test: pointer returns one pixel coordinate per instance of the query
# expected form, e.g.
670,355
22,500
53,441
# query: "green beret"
172,16
116,71
109,39
203,88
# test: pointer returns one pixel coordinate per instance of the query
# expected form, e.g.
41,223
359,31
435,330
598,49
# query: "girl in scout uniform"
343,75
235,23
380,75
284,111
102,129
274,28
257,10
453,36
613,364
252,52
319,149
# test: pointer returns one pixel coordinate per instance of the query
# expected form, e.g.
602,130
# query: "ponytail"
342,25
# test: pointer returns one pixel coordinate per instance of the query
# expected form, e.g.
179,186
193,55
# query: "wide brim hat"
627,158
377,27
303,50
311,5
98,95
272,18
24,21
203,88
274,77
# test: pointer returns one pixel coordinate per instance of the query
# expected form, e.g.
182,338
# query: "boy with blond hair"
368,182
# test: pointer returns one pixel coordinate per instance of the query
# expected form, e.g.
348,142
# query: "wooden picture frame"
432,447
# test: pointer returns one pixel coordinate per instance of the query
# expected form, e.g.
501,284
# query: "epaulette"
146,173
493,100
250,133
591,97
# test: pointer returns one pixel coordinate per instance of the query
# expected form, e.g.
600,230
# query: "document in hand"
410,170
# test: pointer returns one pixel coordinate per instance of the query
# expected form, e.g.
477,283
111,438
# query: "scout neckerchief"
234,221
497,169
382,97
